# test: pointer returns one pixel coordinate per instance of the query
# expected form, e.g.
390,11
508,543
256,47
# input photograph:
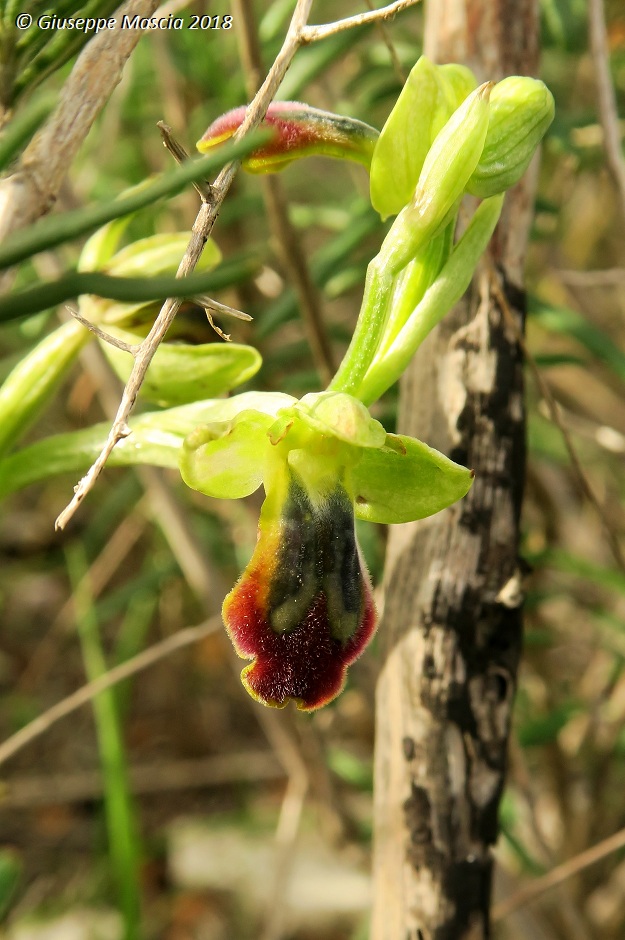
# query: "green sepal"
406,480
428,99
180,373
227,460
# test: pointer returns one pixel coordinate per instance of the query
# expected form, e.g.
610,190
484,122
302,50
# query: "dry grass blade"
87,692
559,874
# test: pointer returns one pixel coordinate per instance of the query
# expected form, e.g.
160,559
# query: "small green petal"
227,460
406,480
341,416
180,373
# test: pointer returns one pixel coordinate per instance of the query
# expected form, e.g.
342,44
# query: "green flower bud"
428,99
521,110
450,162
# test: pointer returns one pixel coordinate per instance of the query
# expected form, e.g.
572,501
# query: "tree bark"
452,625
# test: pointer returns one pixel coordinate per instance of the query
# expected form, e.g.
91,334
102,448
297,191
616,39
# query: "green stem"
446,291
56,229
120,816
126,289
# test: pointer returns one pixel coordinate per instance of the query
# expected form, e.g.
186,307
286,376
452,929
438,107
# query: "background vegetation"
176,799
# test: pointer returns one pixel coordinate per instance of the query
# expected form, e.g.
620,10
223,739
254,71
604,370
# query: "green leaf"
57,229
180,373
406,480
126,289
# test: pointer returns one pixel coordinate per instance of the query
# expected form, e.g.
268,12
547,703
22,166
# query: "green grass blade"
120,814
125,289
57,229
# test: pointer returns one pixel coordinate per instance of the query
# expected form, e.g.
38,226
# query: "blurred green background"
177,800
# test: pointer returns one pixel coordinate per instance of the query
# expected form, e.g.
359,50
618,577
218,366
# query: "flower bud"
450,162
301,131
521,110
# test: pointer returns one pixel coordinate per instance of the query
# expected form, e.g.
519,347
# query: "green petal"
180,373
341,416
406,480
227,459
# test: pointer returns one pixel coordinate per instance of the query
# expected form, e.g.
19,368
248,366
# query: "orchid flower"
303,610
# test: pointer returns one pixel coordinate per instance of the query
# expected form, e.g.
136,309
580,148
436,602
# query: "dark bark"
452,625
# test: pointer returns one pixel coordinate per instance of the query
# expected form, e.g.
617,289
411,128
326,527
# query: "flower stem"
446,291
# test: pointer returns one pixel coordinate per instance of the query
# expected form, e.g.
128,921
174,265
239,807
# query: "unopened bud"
450,162
301,131
521,110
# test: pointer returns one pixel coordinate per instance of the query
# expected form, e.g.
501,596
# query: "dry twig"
559,874
32,189
608,113
86,693
298,34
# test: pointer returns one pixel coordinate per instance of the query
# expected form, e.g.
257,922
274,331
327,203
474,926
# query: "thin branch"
106,337
608,112
552,405
315,33
180,155
559,874
209,304
297,35
285,235
86,693
607,277
388,42
202,228
26,792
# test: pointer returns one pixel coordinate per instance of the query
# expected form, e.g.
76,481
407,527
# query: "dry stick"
86,693
607,277
26,792
559,874
101,570
314,33
390,45
285,234
587,490
607,100
105,337
32,189
298,34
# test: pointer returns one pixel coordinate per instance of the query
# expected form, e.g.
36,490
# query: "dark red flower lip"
303,609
